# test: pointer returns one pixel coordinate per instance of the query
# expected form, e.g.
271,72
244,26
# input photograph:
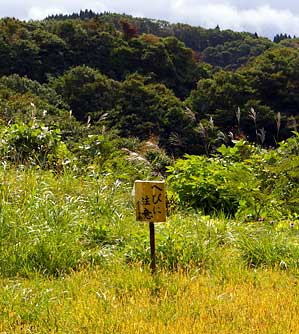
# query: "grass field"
131,300
74,260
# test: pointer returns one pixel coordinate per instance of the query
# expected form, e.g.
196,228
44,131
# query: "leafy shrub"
284,169
200,182
97,149
35,145
245,180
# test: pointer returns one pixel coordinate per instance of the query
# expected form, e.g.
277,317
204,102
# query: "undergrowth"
52,224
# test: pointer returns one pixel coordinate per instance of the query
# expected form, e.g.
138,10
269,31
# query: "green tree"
87,91
219,97
150,110
274,76
26,59
6,57
52,53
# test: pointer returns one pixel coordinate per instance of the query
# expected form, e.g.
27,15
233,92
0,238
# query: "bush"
32,145
200,182
244,180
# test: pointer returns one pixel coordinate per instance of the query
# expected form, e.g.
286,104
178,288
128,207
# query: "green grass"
53,224
74,260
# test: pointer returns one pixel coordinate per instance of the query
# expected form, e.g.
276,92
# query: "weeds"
73,259
52,225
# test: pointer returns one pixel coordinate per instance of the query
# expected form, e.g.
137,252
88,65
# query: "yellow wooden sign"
150,200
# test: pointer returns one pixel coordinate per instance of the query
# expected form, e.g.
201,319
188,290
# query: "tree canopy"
191,88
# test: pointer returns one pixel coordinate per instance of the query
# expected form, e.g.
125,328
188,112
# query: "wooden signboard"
150,200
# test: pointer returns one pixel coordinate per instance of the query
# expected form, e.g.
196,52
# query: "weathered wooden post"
150,201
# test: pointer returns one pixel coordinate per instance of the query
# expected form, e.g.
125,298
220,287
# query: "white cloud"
38,13
267,19
264,20
41,10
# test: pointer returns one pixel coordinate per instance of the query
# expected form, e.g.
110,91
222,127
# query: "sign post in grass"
150,201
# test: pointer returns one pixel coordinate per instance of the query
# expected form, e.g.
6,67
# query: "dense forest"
188,89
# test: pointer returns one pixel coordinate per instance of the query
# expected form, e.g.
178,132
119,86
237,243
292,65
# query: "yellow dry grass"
131,300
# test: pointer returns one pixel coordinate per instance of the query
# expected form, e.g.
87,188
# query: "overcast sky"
266,17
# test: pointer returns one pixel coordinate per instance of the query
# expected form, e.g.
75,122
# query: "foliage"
87,91
35,145
23,85
285,172
200,182
215,42
219,97
145,110
87,59
245,181
273,76
233,54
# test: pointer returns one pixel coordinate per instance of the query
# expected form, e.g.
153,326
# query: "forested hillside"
187,88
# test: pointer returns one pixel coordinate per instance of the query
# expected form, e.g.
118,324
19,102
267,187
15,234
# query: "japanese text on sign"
150,201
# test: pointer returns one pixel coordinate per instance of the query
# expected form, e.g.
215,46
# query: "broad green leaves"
35,145
245,181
